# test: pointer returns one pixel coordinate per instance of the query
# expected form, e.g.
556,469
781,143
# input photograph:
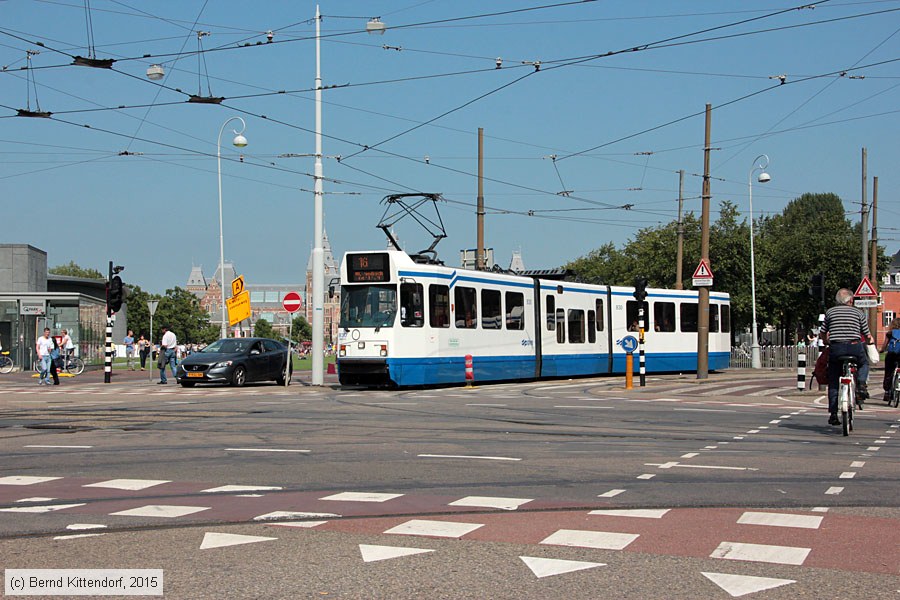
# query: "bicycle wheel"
845,404
6,364
895,390
75,366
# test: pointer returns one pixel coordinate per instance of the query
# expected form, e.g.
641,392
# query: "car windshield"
368,306
229,346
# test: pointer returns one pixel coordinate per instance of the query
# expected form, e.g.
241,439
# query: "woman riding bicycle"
845,329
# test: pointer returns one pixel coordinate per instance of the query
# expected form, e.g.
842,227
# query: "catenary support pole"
479,252
703,292
679,254
864,213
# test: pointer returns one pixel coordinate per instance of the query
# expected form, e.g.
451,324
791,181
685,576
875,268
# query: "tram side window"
664,316
714,318
551,313
439,306
412,305
689,317
490,309
600,314
466,301
631,315
726,318
592,326
561,326
576,326
515,310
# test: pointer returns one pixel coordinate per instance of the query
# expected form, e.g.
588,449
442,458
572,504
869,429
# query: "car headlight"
222,365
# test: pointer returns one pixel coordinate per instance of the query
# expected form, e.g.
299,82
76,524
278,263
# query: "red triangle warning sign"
866,289
703,271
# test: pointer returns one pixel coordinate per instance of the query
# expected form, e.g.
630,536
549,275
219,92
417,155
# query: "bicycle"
895,389
6,363
72,365
848,400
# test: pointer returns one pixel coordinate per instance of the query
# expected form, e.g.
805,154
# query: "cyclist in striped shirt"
846,330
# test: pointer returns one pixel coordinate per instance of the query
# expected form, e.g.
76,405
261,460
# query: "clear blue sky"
67,189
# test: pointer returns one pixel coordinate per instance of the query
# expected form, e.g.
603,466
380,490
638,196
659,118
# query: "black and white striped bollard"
641,359
801,370
107,363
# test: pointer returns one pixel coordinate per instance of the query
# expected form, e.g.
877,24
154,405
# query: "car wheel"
187,383
239,377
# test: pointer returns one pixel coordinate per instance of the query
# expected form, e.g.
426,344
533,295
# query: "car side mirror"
331,292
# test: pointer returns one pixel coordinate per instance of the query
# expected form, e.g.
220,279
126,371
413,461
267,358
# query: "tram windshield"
368,306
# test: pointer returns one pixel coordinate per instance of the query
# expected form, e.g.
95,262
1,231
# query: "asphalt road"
722,488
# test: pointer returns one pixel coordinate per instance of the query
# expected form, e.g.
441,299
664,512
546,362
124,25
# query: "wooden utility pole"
703,292
865,221
680,230
873,274
479,251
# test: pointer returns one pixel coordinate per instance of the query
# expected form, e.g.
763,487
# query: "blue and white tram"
404,323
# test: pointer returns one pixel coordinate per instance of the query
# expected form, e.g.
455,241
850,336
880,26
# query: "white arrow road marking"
375,553
221,540
741,585
546,567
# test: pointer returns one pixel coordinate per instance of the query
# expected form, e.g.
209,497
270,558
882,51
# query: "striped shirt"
844,323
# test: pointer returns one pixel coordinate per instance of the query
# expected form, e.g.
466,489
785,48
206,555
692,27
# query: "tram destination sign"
373,267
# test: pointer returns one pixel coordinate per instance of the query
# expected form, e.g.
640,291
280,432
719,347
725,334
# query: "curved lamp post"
759,164
239,141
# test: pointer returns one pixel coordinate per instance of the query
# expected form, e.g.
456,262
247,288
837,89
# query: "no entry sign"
292,302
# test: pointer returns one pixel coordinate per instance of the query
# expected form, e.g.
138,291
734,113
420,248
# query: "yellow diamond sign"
238,308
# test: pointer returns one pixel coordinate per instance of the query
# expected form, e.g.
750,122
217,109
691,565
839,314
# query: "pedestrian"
167,349
55,361
143,345
128,341
892,347
44,346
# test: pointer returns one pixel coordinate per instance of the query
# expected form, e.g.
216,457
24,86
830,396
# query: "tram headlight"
383,350
343,350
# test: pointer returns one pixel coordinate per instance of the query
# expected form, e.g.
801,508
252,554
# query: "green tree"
262,328
301,330
73,270
177,308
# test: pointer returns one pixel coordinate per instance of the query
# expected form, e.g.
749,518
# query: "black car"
235,361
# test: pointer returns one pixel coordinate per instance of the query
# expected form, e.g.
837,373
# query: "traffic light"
817,287
115,294
640,288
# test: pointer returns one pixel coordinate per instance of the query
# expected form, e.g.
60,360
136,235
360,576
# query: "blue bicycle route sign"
629,343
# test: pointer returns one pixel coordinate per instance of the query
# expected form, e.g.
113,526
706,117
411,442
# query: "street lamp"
759,164
239,141
376,27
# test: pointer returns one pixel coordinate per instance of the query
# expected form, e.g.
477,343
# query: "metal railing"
773,357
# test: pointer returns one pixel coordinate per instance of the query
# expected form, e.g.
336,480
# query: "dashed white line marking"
611,493
361,497
834,491
847,475
242,488
579,406
780,520
52,446
286,514
782,555
84,526
166,511
601,540
775,421
127,484
753,431
873,448
36,499
706,410
447,529
639,513
25,480
646,476
857,464
265,450
491,502
690,455
467,456
738,437
819,509
489,405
